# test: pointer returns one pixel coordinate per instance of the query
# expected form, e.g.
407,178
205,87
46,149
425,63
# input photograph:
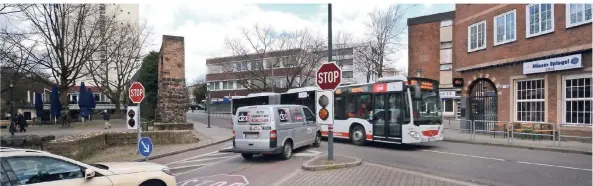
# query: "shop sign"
553,64
447,94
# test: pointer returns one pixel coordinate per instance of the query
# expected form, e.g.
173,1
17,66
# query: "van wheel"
317,142
247,156
358,135
286,150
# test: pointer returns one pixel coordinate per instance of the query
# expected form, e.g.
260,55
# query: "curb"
306,166
520,147
183,150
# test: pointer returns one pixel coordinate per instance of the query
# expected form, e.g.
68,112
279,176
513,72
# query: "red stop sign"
136,92
328,76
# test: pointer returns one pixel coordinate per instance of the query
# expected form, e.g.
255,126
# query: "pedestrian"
12,126
106,118
22,122
65,120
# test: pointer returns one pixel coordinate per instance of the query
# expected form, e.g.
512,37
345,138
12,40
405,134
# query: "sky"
206,25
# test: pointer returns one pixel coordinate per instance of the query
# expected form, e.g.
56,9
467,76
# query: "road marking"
192,157
481,157
309,153
182,167
179,174
206,159
529,163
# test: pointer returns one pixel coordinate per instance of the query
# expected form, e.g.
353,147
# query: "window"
28,169
4,177
309,115
539,19
577,14
227,85
239,85
446,67
296,114
578,101
530,99
477,36
358,106
504,28
97,97
446,23
211,85
448,105
283,114
445,45
347,74
339,105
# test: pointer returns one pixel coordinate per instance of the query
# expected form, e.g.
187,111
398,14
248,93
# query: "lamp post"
11,101
208,104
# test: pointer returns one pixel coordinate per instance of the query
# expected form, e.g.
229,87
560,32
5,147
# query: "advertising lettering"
553,64
260,116
358,89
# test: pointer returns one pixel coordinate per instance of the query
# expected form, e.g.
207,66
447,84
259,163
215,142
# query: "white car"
33,167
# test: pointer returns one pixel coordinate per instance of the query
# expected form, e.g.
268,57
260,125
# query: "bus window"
358,106
339,108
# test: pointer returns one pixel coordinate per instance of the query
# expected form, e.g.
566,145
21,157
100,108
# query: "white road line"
529,163
206,159
192,157
179,174
182,167
464,155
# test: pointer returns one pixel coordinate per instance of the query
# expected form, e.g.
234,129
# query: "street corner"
321,162
216,180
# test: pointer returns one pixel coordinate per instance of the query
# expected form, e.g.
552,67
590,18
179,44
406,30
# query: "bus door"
387,117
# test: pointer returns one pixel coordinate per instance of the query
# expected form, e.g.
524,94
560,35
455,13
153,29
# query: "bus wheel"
357,135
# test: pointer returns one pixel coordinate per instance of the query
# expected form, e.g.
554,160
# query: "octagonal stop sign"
136,92
328,76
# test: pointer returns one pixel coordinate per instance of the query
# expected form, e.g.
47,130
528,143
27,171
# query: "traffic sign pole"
330,132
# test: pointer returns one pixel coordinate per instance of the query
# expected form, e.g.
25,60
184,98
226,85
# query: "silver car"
274,129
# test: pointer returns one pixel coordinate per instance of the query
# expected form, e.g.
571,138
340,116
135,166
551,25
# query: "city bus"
262,98
300,96
392,110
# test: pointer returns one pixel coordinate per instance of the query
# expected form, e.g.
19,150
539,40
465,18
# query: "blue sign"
553,64
145,146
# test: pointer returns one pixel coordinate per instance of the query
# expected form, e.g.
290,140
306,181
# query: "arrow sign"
145,146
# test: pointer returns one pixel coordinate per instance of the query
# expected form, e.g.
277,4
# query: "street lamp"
11,101
208,102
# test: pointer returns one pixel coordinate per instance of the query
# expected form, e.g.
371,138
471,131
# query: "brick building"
525,63
430,43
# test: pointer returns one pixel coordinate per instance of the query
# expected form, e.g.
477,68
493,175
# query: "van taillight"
273,135
233,133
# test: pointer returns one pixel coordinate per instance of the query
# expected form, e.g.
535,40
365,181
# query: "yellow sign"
338,91
358,89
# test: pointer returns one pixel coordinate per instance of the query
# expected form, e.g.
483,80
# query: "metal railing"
513,131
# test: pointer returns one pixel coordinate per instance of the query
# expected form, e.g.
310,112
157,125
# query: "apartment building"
528,63
430,47
230,76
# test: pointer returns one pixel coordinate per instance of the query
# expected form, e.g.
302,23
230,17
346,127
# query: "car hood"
132,167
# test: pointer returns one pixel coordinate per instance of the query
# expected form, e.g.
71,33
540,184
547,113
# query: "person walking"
12,126
106,118
22,122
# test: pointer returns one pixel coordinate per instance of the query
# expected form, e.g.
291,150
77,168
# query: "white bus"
391,110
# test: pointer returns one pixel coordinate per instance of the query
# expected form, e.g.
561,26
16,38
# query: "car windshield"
427,110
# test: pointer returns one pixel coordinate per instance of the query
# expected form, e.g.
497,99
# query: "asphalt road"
480,164
215,120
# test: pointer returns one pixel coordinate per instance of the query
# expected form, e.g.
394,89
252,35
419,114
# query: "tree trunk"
117,102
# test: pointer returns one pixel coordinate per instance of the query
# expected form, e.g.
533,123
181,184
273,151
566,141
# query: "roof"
431,18
303,89
77,89
262,94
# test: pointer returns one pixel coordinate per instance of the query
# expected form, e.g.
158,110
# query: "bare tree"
303,51
60,39
122,57
12,8
385,30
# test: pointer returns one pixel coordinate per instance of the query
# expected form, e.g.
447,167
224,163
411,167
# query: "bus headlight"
414,134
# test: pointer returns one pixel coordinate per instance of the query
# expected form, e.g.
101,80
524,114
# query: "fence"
547,134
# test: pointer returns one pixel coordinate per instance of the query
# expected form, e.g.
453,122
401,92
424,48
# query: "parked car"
274,129
34,167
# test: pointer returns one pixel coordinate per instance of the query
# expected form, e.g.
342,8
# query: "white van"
274,129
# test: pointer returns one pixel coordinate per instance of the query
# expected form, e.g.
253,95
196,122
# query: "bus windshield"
427,110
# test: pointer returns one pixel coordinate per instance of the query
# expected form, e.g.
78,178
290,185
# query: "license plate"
251,136
255,128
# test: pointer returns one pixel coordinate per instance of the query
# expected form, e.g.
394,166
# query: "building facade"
430,43
525,63
230,76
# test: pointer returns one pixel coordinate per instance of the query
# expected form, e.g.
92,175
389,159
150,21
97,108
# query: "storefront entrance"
483,101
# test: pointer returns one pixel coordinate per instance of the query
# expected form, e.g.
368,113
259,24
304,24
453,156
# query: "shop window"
577,99
504,28
477,36
539,19
577,14
530,100
448,105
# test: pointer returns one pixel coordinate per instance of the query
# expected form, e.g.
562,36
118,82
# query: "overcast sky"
205,26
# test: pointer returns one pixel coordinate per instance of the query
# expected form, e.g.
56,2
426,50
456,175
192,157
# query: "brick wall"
173,97
561,38
424,49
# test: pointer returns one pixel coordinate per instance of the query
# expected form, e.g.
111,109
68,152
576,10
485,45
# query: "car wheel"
153,183
286,150
317,142
247,156
358,135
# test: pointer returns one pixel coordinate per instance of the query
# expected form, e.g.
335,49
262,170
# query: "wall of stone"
172,96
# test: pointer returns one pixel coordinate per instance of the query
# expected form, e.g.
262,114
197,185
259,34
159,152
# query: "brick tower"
172,95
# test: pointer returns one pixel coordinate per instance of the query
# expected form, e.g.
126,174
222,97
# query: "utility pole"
208,104
330,133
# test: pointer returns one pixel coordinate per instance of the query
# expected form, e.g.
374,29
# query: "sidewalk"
365,174
78,128
485,139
